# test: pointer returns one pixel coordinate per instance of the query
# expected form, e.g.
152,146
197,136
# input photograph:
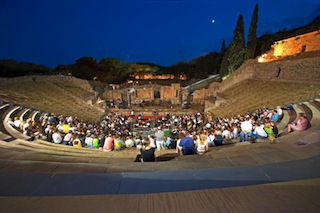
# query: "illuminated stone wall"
295,59
111,96
173,93
149,76
299,44
296,69
293,46
200,95
143,94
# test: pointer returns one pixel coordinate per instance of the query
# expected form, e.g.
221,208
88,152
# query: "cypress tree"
235,53
223,47
252,35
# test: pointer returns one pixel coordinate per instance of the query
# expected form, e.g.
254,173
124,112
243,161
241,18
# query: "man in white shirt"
160,139
246,129
258,132
210,138
56,137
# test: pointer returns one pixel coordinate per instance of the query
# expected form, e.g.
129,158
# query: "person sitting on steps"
301,124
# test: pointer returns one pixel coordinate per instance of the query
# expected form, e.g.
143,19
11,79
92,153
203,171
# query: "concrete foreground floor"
260,177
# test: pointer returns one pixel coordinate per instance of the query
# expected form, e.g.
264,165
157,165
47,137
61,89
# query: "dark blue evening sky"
53,32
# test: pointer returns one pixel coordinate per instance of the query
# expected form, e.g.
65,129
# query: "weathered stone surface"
296,59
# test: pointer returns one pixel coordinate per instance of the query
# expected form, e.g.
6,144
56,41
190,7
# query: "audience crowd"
187,133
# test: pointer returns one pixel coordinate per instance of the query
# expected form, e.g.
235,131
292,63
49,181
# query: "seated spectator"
187,144
75,141
210,138
258,132
226,134
65,127
268,130
33,131
275,129
129,142
301,124
218,140
275,116
17,123
279,111
89,140
56,137
147,153
108,144
152,140
202,145
168,142
49,132
137,140
289,107
67,138
102,139
25,126
246,128
139,145
95,141
118,143
234,131
179,148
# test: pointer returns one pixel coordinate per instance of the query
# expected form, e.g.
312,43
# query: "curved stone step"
23,113
284,121
315,121
33,116
298,110
11,130
3,109
309,136
315,103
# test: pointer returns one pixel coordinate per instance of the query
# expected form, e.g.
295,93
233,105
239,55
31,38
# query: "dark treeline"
11,68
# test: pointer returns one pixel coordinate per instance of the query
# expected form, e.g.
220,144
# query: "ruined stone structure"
151,93
295,59
112,95
199,96
173,93
142,94
304,43
150,76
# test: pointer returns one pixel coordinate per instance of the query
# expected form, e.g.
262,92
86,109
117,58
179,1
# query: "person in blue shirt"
275,116
168,142
289,107
187,144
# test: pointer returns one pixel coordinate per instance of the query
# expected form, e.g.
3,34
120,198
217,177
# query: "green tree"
110,62
252,35
86,61
235,53
85,68
223,46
